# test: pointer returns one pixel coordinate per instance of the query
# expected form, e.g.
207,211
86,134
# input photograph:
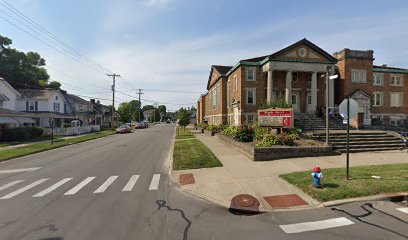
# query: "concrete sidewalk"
240,175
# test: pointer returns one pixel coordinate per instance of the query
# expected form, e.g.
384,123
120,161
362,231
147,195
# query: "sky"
167,47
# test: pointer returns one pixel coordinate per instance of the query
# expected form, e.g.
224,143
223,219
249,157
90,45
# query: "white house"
81,109
44,105
9,116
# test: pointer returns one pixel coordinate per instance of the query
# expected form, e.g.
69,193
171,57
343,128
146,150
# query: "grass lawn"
394,178
39,147
193,154
183,134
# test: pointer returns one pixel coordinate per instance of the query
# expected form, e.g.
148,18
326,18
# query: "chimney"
98,102
93,101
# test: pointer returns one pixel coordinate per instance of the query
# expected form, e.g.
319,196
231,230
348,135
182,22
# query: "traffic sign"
353,108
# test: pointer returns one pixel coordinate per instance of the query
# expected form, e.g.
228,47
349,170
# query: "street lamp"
332,77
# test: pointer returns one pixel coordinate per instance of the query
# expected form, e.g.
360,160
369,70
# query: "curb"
366,198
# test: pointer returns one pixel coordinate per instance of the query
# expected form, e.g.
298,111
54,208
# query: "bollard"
317,175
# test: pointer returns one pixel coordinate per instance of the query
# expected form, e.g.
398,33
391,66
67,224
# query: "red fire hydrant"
317,175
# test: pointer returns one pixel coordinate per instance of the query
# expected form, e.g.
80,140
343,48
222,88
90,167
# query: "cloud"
159,3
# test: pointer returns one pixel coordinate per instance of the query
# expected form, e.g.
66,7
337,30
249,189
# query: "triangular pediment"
303,51
215,73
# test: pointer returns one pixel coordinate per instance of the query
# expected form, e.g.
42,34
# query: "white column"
331,92
269,87
288,89
313,89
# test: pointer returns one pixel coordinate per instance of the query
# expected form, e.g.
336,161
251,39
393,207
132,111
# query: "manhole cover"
244,204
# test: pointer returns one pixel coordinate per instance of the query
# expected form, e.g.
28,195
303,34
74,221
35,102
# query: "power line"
49,34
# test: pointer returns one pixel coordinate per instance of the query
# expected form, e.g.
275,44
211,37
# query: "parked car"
146,125
123,129
168,121
139,125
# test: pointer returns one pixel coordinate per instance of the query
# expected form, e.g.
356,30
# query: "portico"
303,91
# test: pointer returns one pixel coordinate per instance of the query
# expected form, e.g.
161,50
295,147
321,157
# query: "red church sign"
276,117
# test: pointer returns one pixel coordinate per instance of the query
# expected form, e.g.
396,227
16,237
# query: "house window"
309,78
250,96
295,77
378,79
31,106
294,99
250,74
218,96
214,99
228,93
236,83
250,119
56,98
378,99
396,80
396,99
56,106
358,76
309,98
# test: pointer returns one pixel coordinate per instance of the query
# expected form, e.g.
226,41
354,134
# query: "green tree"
183,116
54,85
125,112
21,70
136,108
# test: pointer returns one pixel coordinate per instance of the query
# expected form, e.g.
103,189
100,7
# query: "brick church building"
296,74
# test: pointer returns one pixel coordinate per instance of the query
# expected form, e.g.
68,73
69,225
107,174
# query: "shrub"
244,133
281,103
21,133
229,131
212,128
259,132
203,125
287,139
269,140
35,132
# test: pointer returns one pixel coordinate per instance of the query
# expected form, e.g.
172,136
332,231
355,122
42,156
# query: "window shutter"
27,106
36,106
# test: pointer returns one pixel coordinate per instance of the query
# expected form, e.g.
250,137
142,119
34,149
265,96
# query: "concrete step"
369,150
352,139
368,146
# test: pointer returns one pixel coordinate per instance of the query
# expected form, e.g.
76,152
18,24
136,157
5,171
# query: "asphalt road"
118,188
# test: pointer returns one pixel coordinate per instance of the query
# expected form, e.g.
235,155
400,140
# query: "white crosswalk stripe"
79,186
21,190
52,188
404,210
154,185
318,225
132,181
74,189
10,184
106,184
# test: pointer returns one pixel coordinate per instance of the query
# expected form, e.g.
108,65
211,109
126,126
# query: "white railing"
72,130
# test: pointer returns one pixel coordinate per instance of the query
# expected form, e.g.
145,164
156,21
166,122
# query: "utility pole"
140,103
154,112
114,75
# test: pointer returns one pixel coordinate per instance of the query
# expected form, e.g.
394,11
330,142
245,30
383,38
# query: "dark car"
123,129
168,121
146,125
